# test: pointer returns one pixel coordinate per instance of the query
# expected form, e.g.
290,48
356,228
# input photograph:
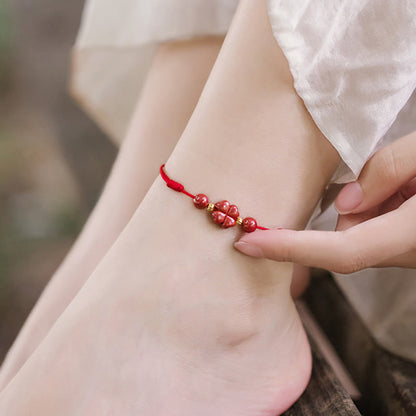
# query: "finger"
364,245
351,220
403,260
309,248
384,174
409,189
391,203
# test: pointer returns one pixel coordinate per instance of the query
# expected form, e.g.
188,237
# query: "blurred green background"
53,159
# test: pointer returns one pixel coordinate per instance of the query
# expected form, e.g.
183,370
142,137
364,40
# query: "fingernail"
249,249
349,198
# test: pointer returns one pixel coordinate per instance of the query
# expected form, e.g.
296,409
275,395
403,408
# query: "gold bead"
239,221
210,207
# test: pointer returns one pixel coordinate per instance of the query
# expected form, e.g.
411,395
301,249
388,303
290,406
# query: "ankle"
198,276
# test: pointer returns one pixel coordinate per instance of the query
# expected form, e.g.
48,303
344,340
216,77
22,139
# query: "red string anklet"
223,213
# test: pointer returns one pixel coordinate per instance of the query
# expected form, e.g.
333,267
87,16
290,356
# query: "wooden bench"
386,383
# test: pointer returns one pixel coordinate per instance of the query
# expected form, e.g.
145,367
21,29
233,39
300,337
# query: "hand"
376,226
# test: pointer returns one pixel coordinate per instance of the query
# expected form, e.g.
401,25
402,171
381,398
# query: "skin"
376,226
176,78
174,321
173,86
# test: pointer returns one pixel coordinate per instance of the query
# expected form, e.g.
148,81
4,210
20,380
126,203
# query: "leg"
174,320
300,280
172,90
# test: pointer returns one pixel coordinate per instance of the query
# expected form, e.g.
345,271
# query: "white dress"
353,64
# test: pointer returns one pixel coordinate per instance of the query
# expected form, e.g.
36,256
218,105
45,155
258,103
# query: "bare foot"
173,322
175,81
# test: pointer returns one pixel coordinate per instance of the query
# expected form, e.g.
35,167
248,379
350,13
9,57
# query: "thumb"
383,175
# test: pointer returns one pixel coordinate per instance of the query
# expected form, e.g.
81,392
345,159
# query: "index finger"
361,246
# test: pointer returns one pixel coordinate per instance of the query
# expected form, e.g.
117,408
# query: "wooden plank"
324,396
327,350
394,379
387,382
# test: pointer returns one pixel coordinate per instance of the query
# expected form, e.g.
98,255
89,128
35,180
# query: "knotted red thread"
176,186
249,224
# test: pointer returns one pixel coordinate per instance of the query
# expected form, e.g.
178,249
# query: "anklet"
223,213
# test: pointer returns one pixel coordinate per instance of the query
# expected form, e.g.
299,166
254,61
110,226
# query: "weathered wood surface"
324,396
387,382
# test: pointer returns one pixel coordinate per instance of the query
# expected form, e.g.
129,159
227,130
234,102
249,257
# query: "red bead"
226,208
201,201
249,224
224,214
233,212
228,222
223,206
218,217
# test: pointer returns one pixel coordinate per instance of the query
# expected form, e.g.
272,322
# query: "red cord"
176,186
